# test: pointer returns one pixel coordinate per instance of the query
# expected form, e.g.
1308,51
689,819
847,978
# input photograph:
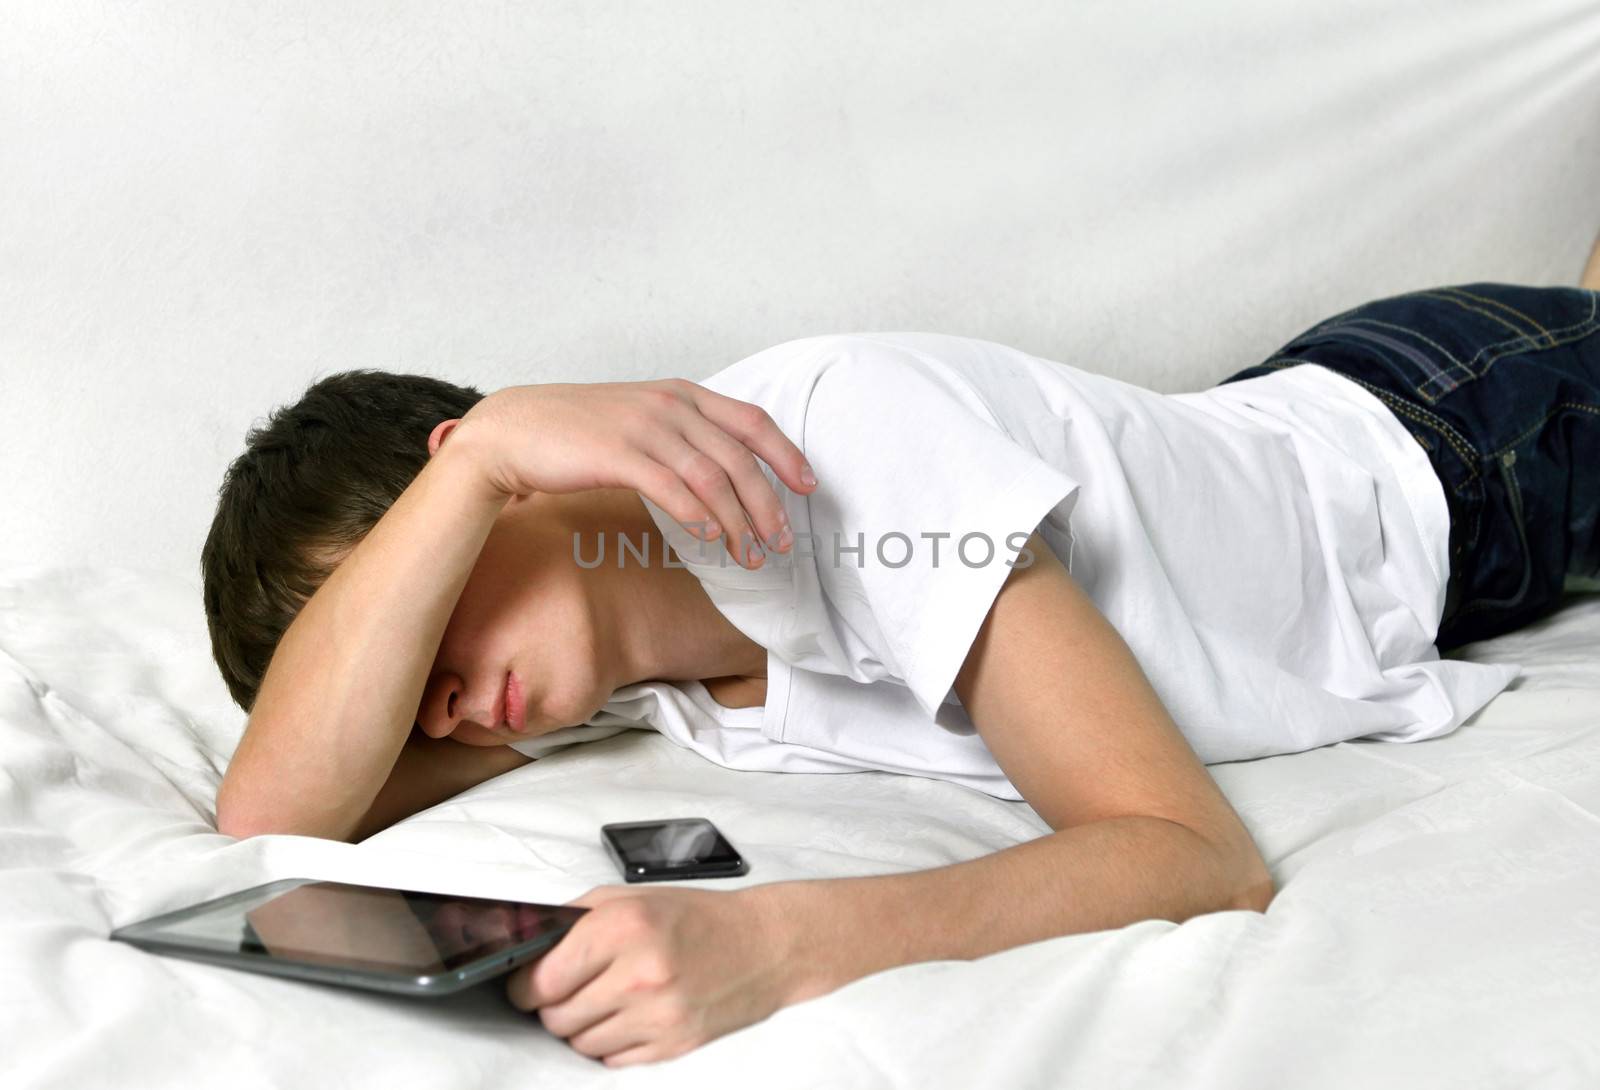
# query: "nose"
444,705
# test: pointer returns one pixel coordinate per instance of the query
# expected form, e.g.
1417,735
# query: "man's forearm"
1091,877
341,693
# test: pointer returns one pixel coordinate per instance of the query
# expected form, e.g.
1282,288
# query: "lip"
513,703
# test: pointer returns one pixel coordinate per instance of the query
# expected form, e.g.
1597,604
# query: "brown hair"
310,484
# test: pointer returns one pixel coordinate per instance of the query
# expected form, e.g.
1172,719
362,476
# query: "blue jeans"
1500,384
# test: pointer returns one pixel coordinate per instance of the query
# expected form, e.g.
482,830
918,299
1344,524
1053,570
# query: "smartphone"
390,940
663,851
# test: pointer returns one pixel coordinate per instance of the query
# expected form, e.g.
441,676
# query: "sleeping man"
914,553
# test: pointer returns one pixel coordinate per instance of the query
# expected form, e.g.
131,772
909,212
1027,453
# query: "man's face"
523,611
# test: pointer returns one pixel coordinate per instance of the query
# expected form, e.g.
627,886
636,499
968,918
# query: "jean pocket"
1505,551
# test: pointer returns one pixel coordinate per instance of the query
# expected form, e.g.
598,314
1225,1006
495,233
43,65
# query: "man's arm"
342,690
429,771
345,681
1141,830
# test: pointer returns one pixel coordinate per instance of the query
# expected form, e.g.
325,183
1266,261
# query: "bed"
208,205
1438,920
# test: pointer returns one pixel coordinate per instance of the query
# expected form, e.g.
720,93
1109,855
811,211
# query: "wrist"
785,913
467,456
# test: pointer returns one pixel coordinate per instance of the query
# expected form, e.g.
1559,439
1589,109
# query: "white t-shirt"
1273,551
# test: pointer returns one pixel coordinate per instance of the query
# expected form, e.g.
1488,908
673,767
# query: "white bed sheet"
1438,921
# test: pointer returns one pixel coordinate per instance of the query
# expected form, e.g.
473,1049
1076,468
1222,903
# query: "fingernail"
712,528
806,476
755,553
785,539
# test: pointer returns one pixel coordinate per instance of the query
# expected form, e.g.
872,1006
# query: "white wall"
205,205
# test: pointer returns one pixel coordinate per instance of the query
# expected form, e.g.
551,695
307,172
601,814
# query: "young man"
1009,572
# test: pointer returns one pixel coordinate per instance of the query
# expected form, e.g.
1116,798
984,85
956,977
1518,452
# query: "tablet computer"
390,940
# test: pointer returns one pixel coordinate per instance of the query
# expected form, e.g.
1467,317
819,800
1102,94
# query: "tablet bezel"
149,934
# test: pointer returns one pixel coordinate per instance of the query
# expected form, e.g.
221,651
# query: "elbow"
243,826
241,812
1237,869
230,822
242,821
1255,892
1242,871
231,817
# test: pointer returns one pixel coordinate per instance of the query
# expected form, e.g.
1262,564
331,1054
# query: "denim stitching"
1442,376
1443,351
1456,365
1582,405
1514,490
1351,313
1517,344
1468,538
1583,329
1410,352
1445,379
1491,315
1471,542
1467,542
1498,303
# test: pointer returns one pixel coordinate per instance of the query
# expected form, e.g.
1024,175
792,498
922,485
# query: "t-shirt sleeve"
923,504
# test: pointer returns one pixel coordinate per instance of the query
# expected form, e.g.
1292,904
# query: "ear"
441,432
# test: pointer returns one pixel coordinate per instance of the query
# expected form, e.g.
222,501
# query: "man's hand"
690,451
648,975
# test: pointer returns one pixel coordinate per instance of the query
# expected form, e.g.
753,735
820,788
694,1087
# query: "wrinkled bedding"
1438,921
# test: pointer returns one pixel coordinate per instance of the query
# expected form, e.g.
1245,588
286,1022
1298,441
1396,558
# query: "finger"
756,495
612,1013
599,1003
644,1054
580,956
666,490
617,1034
705,477
751,425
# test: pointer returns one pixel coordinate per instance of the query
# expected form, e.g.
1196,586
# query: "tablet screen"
364,927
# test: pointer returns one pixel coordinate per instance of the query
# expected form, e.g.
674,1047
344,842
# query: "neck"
652,621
